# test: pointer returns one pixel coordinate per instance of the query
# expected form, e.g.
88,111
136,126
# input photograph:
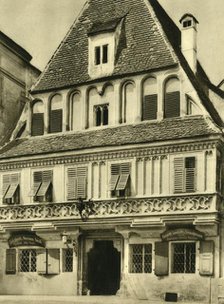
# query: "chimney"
189,40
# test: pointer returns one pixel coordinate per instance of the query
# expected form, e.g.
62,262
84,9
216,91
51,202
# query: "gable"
141,45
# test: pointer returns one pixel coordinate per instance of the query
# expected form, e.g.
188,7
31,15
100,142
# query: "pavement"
18,299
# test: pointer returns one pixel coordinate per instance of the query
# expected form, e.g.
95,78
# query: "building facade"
115,183
17,75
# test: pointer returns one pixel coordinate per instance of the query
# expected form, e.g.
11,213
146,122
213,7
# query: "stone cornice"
111,155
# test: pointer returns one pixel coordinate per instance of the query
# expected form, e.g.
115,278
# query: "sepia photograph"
111,151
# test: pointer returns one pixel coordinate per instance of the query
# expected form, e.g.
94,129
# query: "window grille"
141,258
27,260
68,260
184,255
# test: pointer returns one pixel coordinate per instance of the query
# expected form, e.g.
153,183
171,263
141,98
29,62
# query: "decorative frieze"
162,151
108,209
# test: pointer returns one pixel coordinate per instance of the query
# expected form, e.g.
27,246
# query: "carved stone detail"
116,208
103,156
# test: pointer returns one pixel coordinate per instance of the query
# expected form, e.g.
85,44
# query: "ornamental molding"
110,209
154,153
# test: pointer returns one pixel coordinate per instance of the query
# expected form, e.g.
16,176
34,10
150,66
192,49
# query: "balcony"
133,207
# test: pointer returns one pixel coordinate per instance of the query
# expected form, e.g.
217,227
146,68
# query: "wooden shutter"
53,261
37,124
41,261
10,185
161,258
149,107
44,178
190,170
172,104
6,180
115,174
123,181
82,182
11,191
178,175
206,260
72,183
56,121
10,261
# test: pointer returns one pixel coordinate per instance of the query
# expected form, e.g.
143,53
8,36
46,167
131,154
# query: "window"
141,258
120,179
77,183
11,188
187,23
27,260
101,115
101,54
184,174
68,260
172,98
56,114
149,102
42,190
183,255
37,119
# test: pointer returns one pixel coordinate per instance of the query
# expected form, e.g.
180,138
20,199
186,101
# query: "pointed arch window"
37,125
56,114
172,98
150,99
75,111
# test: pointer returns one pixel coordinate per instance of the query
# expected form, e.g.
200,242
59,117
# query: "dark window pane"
37,124
97,55
105,115
98,116
105,53
172,105
56,121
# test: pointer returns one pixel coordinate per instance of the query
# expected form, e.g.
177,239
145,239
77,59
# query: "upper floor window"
172,98
42,190
101,54
77,183
141,258
120,179
10,188
150,99
37,119
101,115
55,114
184,174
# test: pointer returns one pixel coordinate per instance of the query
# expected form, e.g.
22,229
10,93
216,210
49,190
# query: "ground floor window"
183,257
141,258
27,260
67,260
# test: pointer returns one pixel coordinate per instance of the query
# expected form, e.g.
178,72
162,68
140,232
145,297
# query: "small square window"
141,258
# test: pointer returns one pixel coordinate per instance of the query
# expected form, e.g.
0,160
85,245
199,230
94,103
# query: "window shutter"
115,174
172,104
149,107
161,259
41,261
206,263
55,121
10,185
11,191
72,183
190,174
178,175
43,188
10,261
53,261
37,124
6,184
123,181
44,178
82,182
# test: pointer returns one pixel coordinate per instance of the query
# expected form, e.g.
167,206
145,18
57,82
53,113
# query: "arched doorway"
103,269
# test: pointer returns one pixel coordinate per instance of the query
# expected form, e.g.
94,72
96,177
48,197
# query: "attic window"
187,23
101,54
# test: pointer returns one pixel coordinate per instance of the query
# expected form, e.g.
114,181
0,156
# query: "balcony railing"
188,204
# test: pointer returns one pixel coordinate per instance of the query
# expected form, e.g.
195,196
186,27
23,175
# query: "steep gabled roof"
165,130
142,46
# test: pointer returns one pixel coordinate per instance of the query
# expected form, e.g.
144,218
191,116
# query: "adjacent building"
17,75
114,186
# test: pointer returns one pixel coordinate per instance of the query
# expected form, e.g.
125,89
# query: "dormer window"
187,23
101,54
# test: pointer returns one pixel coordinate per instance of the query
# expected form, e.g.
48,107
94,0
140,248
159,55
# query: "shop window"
67,260
48,261
77,183
150,99
55,114
184,174
37,127
172,98
27,260
120,180
183,257
42,190
141,258
101,115
11,188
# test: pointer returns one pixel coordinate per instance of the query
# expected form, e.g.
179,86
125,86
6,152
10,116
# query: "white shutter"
43,188
178,175
41,261
72,183
11,191
82,182
123,181
53,261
